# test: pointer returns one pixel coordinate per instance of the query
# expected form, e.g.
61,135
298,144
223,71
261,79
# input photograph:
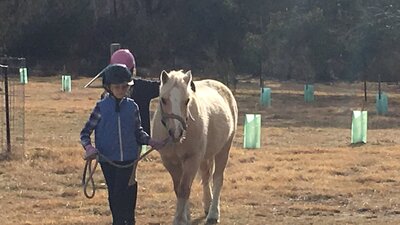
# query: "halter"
165,116
183,121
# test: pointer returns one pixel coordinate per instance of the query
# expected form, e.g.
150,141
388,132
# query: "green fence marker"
66,83
308,93
359,126
23,75
252,131
381,103
265,97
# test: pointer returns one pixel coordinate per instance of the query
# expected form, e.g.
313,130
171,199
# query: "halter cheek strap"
165,116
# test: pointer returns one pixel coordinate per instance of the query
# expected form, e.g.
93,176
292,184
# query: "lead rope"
85,182
88,169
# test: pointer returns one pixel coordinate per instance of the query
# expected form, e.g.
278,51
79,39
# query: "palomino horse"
200,117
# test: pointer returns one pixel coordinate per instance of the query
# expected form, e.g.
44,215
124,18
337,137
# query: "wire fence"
12,107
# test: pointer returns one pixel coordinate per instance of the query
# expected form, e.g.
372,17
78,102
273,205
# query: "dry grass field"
306,171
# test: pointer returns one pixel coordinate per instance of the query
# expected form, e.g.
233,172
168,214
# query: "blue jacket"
118,130
142,93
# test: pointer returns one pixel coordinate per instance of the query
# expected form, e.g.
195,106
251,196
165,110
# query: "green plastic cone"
265,97
359,127
252,131
381,103
23,75
308,93
66,83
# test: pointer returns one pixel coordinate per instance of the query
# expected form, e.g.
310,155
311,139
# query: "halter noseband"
165,116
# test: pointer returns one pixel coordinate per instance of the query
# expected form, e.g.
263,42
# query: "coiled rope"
90,170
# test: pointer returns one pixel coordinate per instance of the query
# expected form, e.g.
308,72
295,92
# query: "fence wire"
16,108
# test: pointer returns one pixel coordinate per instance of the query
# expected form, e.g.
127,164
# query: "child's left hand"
90,153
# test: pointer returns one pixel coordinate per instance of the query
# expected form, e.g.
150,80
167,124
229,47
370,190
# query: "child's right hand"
91,152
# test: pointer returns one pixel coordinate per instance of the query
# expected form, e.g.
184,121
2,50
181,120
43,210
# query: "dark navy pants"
121,196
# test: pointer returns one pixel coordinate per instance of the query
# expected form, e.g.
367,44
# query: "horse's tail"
234,109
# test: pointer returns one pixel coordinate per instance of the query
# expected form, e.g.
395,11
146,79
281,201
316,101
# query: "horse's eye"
187,101
163,101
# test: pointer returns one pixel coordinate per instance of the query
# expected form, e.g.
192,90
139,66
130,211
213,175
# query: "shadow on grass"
356,145
198,221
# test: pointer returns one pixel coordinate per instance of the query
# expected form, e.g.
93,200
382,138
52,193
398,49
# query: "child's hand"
156,144
91,152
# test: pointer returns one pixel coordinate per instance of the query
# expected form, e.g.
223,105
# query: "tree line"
309,40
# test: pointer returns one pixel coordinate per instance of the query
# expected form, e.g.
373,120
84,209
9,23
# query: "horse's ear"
189,80
188,77
164,77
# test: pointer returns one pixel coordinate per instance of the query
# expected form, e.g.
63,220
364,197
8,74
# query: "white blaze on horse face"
177,99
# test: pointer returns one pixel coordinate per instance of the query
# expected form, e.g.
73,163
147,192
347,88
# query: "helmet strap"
107,88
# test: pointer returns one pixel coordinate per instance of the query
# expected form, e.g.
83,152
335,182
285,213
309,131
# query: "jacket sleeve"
142,137
90,125
154,86
150,88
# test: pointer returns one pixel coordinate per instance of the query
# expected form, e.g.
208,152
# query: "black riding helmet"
116,74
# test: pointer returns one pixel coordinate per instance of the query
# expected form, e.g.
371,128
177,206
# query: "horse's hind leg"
221,159
206,170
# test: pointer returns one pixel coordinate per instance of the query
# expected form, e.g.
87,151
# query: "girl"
118,135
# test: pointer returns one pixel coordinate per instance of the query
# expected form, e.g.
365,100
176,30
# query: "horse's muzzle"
180,137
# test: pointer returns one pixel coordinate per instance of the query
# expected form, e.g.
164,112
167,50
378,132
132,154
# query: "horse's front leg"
189,170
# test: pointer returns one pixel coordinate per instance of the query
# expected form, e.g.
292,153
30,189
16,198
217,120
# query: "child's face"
119,90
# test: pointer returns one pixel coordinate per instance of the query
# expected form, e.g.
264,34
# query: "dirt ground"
306,171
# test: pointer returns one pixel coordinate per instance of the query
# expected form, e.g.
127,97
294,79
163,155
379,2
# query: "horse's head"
176,92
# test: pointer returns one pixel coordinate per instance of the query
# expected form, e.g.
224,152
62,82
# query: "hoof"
212,221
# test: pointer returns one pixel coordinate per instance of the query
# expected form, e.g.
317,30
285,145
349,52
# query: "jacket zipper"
120,138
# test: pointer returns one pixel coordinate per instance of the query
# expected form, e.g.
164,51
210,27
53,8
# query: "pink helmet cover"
123,56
